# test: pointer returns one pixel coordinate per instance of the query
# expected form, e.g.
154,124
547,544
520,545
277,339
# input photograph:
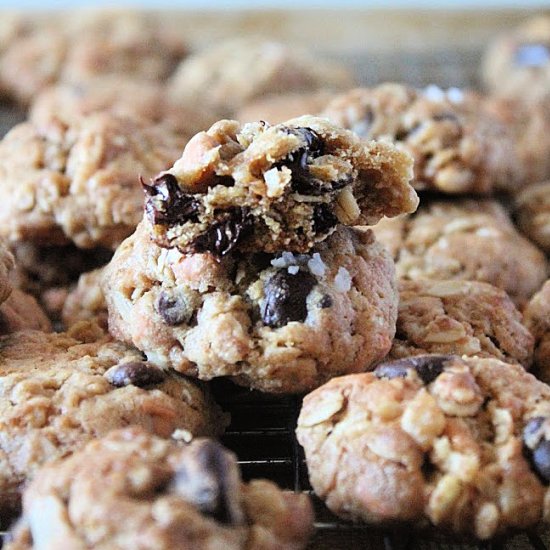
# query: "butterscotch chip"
158,494
461,318
458,443
458,144
464,240
230,74
57,393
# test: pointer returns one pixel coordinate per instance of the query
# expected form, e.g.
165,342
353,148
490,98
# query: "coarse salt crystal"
316,265
342,281
284,260
293,269
434,93
455,95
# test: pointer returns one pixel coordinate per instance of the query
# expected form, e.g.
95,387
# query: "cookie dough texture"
79,183
537,319
230,74
532,214
517,64
59,391
156,495
21,311
458,443
121,96
78,47
275,188
279,323
457,143
461,318
464,240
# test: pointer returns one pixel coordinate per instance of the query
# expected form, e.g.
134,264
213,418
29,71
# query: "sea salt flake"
342,281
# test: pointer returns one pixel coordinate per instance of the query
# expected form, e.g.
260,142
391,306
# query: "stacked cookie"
245,264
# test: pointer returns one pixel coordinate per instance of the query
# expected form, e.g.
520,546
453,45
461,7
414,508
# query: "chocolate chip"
325,302
223,236
136,373
532,55
428,367
167,204
173,308
207,479
285,297
323,219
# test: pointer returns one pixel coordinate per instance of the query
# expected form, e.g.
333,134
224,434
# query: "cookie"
461,318
274,188
61,390
532,214
85,302
517,64
80,183
6,268
78,47
119,95
537,320
277,108
21,311
278,323
464,240
230,74
157,494
462,444
457,144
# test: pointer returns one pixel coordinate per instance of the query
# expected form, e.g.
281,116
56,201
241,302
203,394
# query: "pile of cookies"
171,217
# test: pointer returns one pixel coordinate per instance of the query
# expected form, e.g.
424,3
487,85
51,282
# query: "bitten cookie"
464,240
517,64
532,214
457,144
461,318
463,444
80,183
275,188
59,391
279,323
155,494
230,74
537,320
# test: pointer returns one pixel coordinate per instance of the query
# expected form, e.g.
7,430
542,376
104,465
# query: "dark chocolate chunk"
323,218
167,204
428,367
285,297
205,478
137,373
173,308
223,236
532,55
326,301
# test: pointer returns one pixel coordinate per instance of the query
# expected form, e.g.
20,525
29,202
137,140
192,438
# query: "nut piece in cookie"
458,443
157,493
59,391
458,144
461,318
281,323
464,240
274,188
